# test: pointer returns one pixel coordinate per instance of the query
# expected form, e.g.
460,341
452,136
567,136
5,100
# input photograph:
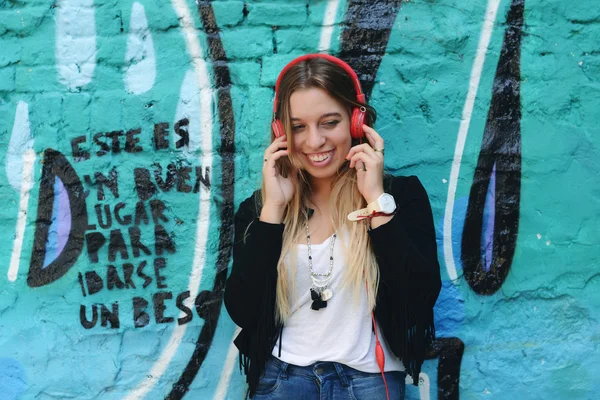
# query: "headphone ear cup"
358,119
278,130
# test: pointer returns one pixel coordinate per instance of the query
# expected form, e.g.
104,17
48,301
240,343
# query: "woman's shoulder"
406,185
251,206
405,188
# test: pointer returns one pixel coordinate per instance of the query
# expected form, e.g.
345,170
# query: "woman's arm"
406,248
256,251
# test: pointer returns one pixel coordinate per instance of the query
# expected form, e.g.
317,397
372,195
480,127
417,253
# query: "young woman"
335,271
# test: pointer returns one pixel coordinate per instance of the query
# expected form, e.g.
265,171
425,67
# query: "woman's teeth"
319,157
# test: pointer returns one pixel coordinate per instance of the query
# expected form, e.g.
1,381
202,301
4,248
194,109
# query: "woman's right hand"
279,190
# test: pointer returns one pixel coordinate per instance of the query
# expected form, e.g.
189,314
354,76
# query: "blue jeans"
325,381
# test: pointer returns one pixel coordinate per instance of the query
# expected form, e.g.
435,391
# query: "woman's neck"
319,224
320,192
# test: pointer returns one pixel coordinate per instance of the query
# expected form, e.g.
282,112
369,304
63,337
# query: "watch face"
388,204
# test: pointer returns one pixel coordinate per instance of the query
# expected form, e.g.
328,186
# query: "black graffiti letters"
107,317
79,154
188,313
140,317
111,182
124,276
115,142
158,299
129,277
56,169
104,214
159,264
117,245
161,136
163,310
181,128
183,178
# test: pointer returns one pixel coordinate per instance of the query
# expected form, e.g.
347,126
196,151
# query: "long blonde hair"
344,198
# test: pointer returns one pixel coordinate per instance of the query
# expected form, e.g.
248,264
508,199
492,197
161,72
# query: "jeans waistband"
321,370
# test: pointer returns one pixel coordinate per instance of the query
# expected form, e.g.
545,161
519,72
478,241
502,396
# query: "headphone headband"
359,94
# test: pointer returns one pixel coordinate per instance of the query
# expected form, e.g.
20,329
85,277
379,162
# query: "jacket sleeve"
256,251
405,247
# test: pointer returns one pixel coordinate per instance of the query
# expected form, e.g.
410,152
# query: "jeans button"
319,370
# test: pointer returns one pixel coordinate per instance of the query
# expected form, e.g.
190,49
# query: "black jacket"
409,271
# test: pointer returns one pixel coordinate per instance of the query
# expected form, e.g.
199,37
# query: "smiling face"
320,132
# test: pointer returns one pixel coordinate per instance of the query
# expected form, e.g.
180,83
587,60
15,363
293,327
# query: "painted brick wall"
131,130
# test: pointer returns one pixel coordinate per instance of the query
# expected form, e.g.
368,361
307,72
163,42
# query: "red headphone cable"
380,356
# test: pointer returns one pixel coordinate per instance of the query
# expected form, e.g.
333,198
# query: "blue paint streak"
53,231
64,216
487,230
449,311
60,225
13,381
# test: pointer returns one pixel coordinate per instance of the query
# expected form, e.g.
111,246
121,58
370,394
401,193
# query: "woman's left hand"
368,161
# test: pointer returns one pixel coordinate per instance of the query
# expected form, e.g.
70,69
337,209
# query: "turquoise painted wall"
130,131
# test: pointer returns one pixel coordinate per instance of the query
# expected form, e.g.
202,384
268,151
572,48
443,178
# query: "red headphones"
358,113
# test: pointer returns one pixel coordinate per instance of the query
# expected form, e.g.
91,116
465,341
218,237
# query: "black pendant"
317,303
314,295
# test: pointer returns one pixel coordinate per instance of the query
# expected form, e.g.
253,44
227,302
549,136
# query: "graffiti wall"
131,130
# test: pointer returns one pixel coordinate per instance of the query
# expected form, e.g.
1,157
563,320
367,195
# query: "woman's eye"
297,128
331,124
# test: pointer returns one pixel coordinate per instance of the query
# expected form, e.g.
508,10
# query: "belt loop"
340,371
283,373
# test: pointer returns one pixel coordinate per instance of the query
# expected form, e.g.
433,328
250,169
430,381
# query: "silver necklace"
320,291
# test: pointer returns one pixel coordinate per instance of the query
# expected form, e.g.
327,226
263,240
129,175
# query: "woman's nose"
315,138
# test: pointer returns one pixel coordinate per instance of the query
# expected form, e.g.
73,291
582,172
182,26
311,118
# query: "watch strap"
359,214
372,210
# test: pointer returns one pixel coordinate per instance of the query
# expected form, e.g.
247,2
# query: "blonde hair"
345,196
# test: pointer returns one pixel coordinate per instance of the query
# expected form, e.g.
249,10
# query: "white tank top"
342,332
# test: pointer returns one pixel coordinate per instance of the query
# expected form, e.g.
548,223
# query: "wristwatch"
385,204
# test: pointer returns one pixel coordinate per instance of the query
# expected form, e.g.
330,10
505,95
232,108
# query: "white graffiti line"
187,107
195,51
482,48
26,185
424,391
328,20
75,42
140,61
20,159
20,142
230,360
424,385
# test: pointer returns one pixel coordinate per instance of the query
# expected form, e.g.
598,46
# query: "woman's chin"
323,173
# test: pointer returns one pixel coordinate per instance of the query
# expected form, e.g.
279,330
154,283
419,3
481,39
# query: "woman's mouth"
320,159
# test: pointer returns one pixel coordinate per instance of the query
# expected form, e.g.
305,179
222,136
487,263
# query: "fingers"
369,161
363,148
280,142
276,156
360,166
269,166
277,145
375,140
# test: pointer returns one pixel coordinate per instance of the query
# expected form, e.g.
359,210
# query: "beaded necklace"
320,291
